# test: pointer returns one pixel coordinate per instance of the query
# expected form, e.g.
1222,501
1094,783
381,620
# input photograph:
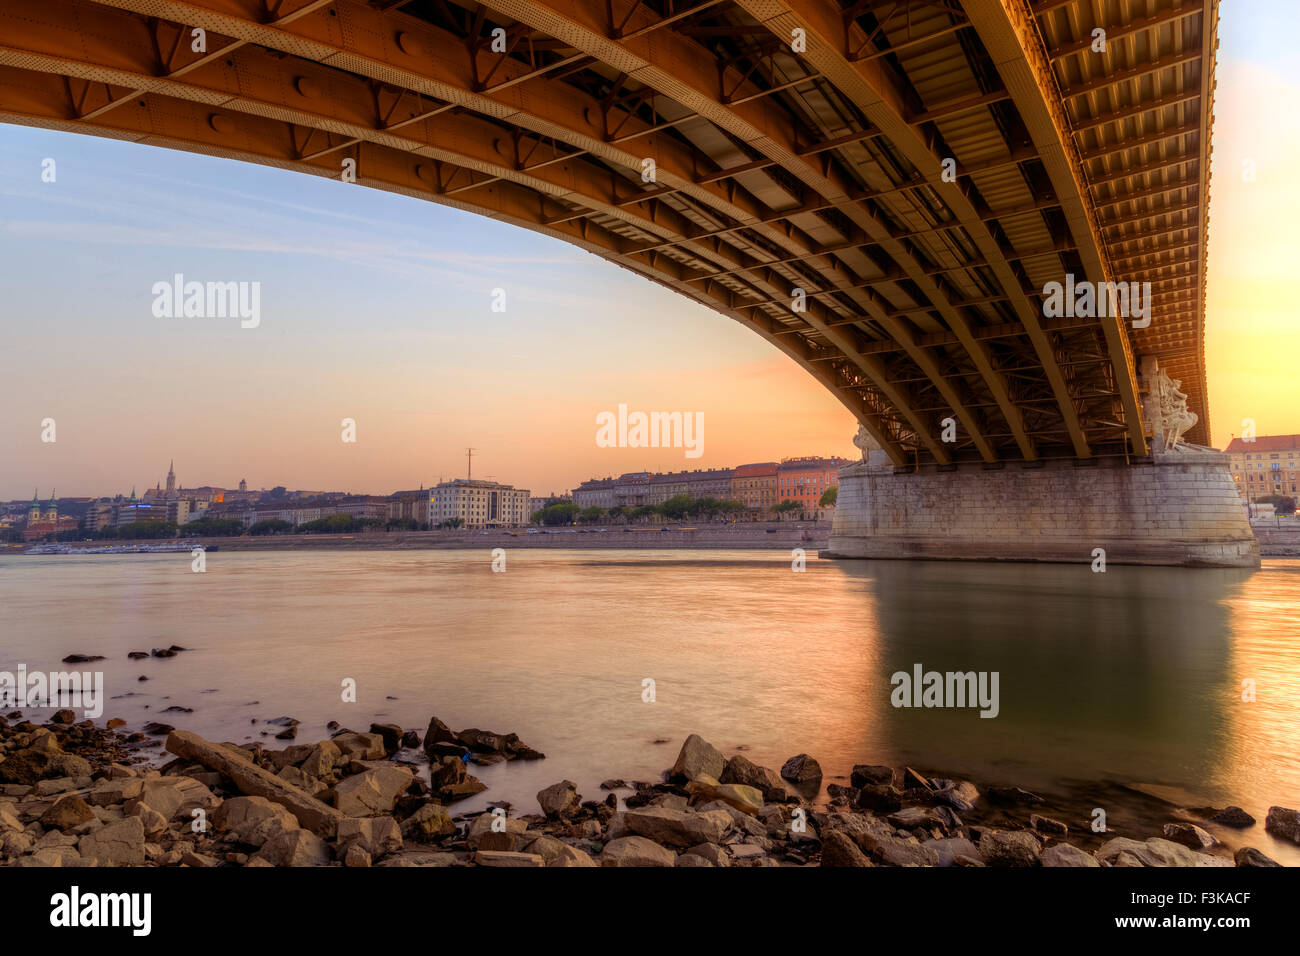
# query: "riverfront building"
754,486
1265,466
805,480
480,504
757,486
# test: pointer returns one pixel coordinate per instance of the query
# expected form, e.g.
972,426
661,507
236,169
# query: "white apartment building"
479,504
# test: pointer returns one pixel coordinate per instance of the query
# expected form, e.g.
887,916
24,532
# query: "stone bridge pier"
1177,507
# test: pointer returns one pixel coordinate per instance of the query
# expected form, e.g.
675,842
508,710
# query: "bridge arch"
776,169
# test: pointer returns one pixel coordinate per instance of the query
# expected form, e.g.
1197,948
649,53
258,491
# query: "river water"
1133,676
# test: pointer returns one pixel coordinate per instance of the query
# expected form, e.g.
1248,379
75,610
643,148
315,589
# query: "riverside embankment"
784,535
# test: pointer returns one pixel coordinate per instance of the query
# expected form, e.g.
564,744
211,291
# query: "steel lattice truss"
775,170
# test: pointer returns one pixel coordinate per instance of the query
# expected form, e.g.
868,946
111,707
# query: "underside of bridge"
880,188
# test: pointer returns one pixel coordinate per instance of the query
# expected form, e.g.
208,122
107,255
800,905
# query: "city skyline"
254,487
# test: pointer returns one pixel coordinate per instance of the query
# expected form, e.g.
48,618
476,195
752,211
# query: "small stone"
949,849
1009,848
66,813
865,775
1249,856
744,772
1048,825
838,849
376,835
912,780
714,854
356,856
1190,835
1233,817
506,858
560,799
295,848
117,844
253,820
1283,823
880,798
373,792
429,823
391,734
1065,854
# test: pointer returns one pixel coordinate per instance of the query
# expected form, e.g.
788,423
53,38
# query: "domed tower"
53,513
34,512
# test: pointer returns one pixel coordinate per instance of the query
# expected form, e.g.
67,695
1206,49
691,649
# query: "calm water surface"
1133,676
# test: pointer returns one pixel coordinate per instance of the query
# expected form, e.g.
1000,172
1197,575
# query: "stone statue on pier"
1175,419
866,444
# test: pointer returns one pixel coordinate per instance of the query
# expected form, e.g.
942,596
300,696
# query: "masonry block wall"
1176,509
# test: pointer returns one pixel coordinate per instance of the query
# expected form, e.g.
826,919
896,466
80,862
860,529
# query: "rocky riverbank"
73,794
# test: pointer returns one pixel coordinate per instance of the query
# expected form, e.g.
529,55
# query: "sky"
378,308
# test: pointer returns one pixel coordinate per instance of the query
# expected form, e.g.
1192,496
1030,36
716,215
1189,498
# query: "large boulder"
745,799
321,759
697,757
878,840
1189,835
1121,851
744,772
446,772
373,792
560,799
681,828
801,768
253,820
117,844
24,766
175,796
635,851
438,733
1283,823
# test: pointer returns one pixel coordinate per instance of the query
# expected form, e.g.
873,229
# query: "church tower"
34,513
171,479
53,513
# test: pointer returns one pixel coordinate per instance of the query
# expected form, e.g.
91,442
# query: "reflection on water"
1132,676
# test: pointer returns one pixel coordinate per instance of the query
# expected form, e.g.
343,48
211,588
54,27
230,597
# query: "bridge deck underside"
774,170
